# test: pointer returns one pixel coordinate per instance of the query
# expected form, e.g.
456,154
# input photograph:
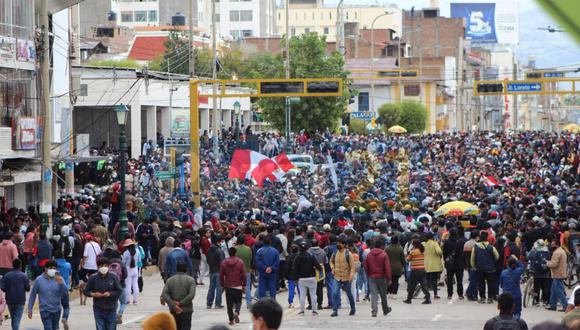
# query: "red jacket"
232,273
205,244
377,264
249,240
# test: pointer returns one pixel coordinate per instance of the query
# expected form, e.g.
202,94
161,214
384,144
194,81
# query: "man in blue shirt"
267,263
52,294
176,256
509,282
15,284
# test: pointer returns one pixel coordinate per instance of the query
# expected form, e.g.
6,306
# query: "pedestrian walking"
15,284
506,318
215,257
304,270
397,261
454,263
131,259
343,270
378,269
245,254
538,259
433,263
510,280
416,259
558,269
178,294
177,255
320,256
105,288
233,280
267,264
483,258
52,297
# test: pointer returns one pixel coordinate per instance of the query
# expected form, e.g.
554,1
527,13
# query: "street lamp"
237,107
121,110
373,57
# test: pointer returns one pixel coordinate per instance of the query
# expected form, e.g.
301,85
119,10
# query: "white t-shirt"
92,250
571,299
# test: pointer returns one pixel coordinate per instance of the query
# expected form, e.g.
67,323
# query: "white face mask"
51,272
103,270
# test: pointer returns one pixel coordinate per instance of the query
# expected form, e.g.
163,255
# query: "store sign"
179,122
26,133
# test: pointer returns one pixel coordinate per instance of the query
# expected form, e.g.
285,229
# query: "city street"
441,314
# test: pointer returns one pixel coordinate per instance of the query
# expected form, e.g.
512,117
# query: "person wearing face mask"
558,269
53,298
105,289
343,270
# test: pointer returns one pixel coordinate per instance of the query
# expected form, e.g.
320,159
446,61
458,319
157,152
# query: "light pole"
373,57
339,29
237,106
122,112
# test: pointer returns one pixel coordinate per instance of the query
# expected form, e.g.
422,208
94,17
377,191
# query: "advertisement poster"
7,48
489,22
26,133
179,122
26,52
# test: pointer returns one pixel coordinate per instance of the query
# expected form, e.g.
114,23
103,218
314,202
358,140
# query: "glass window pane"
247,33
126,16
234,15
245,15
141,16
153,16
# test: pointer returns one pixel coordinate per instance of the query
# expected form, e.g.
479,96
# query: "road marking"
436,317
135,319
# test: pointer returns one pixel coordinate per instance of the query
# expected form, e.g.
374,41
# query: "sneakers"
490,300
119,319
374,314
301,313
232,323
309,308
319,307
481,300
426,302
389,309
314,313
237,317
461,298
64,324
334,314
407,301
436,297
352,311
449,298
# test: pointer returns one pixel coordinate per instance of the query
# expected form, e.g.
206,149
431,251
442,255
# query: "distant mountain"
550,49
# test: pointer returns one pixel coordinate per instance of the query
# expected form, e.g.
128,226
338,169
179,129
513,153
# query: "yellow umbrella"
573,128
456,208
397,129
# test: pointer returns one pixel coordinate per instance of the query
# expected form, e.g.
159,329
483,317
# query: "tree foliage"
127,64
409,114
358,126
308,59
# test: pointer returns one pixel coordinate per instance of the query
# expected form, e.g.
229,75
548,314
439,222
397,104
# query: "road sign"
362,115
165,175
294,100
524,87
553,74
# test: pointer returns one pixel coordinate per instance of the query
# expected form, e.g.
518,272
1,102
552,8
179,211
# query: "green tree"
308,59
412,116
128,64
389,114
175,59
358,126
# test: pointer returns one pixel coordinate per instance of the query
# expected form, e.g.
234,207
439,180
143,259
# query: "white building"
237,19
134,13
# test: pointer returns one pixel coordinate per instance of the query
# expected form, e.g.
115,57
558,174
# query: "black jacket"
453,248
109,283
215,256
304,266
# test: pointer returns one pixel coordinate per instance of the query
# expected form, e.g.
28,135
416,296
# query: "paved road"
441,314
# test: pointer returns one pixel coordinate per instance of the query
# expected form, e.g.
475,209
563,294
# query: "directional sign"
165,175
524,87
553,74
362,115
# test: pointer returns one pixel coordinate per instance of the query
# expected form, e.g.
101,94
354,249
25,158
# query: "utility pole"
216,115
191,55
459,79
339,29
46,204
287,71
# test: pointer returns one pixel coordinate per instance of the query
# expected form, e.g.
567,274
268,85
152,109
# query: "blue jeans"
471,291
215,290
248,289
517,305
267,282
342,285
330,284
292,288
122,302
16,312
362,282
50,320
105,320
557,292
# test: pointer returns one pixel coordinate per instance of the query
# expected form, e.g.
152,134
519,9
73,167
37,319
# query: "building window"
355,15
141,16
153,16
217,18
293,32
363,101
126,16
235,34
247,33
325,30
306,30
330,15
234,15
16,19
245,15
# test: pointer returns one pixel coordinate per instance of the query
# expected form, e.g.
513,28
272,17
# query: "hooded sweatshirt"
8,252
377,264
164,252
232,273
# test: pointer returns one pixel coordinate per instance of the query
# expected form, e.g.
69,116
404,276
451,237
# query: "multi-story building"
238,19
313,16
19,185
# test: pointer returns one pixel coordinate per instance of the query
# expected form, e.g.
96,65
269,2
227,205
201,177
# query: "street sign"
362,115
524,87
165,175
553,74
294,99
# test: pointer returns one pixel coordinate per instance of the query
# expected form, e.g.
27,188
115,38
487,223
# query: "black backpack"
64,246
509,324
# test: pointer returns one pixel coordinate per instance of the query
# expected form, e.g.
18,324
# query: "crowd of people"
299,235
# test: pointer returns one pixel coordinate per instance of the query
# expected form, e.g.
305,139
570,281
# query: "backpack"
511,324
78,248
64,246
346,257
116,269
537,264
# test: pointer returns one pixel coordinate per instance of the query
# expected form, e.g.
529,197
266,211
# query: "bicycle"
572,277
529,290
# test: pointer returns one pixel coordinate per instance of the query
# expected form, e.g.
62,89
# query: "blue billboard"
480,21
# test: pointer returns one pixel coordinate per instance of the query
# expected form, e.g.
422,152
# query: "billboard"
489,22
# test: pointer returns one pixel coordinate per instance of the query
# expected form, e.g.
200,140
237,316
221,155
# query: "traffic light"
282,87
489,88
389,73
409,73
350,95
534,75
322,87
